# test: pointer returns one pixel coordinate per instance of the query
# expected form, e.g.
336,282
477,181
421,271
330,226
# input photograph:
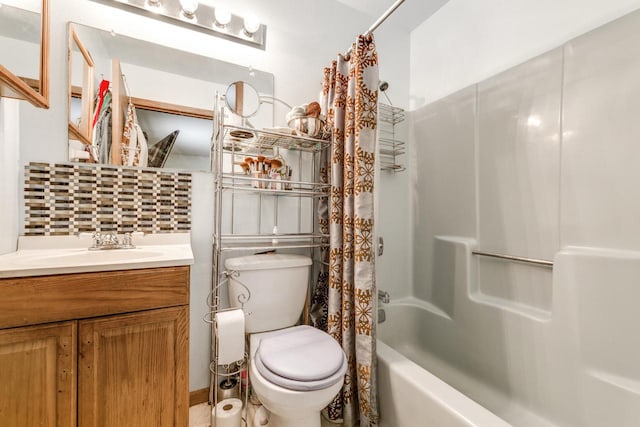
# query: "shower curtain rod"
381,20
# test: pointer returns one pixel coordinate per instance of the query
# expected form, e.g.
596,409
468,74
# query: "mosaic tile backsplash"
65,199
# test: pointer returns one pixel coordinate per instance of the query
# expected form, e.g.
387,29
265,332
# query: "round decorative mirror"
242,99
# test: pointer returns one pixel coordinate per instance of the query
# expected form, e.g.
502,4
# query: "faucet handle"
127,239
384,297
96,237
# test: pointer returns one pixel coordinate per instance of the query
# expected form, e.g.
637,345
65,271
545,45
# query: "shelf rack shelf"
242,182
290,200
247,140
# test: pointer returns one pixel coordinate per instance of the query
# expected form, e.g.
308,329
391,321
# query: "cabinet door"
37,376
133,369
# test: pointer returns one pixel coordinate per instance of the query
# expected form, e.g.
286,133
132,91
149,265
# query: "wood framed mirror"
25,75
172,92
80,89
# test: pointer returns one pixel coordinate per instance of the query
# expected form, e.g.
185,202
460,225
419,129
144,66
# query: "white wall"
10,172
301,41
467,41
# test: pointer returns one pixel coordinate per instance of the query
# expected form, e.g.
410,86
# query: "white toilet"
295,370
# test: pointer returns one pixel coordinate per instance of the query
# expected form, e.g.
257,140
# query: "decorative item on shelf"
267,172
306,120
201,16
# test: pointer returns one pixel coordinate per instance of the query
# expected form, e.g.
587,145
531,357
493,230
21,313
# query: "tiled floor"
199,416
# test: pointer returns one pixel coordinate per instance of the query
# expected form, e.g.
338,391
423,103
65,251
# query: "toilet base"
311,419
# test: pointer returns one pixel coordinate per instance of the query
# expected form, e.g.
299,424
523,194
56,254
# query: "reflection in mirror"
80,94
176,141
242,99
20,32
180,85
24,51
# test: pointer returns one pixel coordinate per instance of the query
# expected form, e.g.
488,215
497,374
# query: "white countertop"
46,255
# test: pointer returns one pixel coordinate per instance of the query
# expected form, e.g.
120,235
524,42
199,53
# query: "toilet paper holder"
231,373
213,298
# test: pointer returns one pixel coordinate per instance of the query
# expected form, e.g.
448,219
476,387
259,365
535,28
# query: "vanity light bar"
203,19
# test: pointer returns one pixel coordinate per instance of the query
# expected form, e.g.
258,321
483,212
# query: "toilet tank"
278,287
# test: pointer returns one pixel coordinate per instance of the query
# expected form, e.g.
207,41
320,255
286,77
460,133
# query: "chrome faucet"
109,240
384,297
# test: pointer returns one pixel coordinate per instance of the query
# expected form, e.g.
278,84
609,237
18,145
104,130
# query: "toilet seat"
301,358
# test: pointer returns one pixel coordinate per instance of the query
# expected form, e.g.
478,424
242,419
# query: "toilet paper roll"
230,334
228,413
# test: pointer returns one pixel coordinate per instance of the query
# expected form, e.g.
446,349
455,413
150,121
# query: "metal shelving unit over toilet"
231,145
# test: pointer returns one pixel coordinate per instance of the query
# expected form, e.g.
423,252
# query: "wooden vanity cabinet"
37,375
113,353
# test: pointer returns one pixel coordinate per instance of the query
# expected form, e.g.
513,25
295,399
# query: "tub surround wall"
444,183
539,161
74,198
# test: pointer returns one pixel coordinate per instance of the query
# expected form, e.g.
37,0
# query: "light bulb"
251,24
223,16
189,7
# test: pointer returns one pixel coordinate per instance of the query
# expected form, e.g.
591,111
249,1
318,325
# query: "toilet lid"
301,353
300,385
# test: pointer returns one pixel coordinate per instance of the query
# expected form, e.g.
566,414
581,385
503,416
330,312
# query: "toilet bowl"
301,371
295,371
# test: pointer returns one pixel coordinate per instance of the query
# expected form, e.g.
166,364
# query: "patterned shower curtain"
344,302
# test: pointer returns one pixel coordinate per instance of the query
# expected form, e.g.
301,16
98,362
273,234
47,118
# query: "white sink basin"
38,256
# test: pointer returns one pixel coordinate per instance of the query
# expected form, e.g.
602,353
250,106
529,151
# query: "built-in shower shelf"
390,148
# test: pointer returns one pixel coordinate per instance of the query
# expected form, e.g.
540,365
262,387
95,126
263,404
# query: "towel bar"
541,262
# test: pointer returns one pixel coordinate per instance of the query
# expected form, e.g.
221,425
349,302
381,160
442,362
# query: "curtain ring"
347,57
369,37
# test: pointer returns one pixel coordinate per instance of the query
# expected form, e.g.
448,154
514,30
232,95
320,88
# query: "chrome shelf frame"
235,190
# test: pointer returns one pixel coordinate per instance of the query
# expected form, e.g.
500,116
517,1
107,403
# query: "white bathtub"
412,396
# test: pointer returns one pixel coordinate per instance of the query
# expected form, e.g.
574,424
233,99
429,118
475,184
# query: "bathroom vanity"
113,345
108,348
